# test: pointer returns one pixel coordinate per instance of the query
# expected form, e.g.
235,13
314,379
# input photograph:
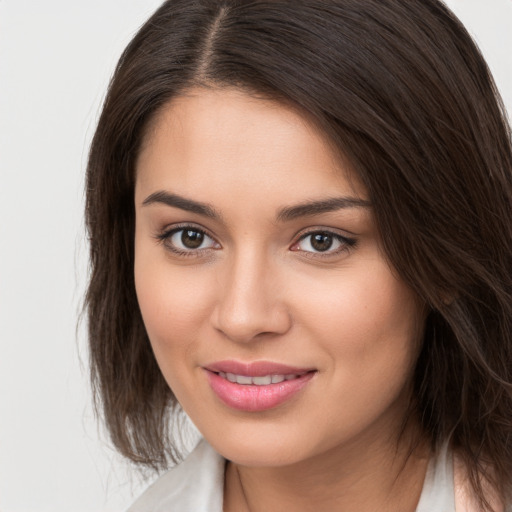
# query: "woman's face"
257,260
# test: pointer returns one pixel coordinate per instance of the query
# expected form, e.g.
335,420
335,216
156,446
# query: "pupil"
192,239
321,242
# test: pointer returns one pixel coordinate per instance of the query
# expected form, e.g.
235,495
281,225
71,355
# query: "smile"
264,380
257,386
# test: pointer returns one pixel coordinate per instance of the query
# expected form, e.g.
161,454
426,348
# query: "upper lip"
255,368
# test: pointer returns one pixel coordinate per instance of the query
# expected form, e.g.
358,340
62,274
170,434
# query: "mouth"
264,380
254,387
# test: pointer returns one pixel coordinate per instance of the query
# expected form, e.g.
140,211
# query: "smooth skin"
232,263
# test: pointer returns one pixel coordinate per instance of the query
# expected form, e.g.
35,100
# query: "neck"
363,476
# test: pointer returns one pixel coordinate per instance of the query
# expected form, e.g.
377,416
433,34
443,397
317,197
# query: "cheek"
369,324
361,306
174,303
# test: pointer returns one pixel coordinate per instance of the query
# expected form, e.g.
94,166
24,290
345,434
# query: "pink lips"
253,397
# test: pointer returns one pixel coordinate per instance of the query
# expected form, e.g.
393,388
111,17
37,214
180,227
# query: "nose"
250,302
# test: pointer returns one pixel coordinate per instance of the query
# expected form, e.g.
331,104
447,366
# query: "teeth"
257,381
262,381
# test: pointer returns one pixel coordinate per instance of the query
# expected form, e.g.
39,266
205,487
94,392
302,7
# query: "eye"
323,242
187,240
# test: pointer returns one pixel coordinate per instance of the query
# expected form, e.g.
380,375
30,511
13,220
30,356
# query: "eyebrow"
162,197
305,209
309,208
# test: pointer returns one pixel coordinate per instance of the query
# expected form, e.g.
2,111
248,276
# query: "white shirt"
197,485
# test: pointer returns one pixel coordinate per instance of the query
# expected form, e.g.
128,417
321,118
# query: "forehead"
219,140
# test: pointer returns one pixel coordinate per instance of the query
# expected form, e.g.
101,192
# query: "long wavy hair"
403,92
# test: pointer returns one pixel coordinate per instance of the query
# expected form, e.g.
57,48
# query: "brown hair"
404,93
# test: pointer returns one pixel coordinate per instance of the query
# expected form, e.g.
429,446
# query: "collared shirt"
197,485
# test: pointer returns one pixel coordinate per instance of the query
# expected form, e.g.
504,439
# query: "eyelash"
166,236
346,243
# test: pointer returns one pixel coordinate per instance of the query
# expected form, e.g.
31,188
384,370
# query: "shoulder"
194,484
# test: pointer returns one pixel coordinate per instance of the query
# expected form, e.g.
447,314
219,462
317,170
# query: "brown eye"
327,242
192,239
188,239
321,241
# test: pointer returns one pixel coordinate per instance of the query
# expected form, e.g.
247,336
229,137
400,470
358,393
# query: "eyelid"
183,225
346,235
348,242
325,229
164,235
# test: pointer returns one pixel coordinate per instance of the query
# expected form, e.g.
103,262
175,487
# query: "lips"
256,386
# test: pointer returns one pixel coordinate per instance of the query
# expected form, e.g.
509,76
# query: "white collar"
197,484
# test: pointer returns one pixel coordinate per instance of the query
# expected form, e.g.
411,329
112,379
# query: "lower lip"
252,398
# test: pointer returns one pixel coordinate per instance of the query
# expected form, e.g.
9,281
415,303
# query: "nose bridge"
249,304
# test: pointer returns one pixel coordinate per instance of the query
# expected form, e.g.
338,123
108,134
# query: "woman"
300,226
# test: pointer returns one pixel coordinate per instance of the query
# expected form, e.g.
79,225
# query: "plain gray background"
56,57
